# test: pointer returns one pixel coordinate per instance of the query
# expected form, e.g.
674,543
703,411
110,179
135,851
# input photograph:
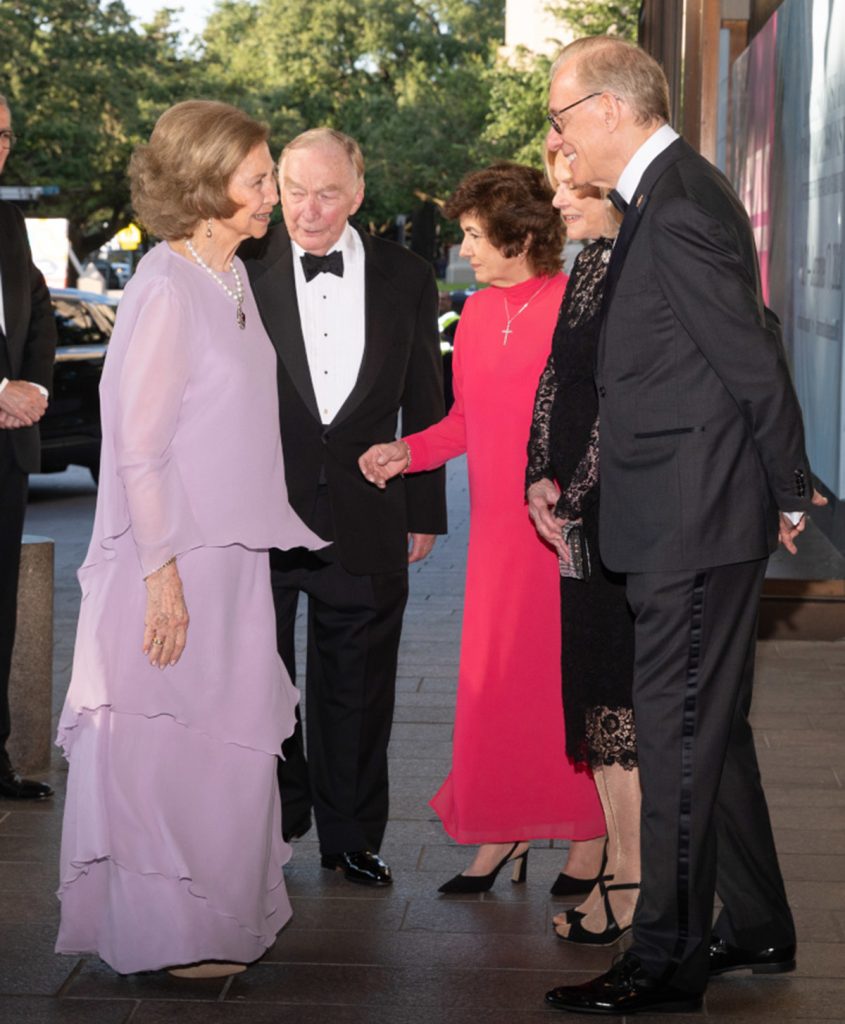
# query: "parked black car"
70,429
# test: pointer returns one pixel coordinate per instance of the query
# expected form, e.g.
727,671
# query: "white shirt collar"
645,155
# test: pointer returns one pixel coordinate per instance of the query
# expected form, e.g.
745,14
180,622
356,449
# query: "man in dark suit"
27,347
703,466
354,321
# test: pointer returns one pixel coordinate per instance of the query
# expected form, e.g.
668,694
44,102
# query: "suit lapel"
275,293
633,215
378,338
630,223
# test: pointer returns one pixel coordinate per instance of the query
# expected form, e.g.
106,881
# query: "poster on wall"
789,167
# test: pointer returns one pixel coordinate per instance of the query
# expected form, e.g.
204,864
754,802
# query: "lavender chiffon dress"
172,849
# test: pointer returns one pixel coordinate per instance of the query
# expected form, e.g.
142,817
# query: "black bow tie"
331,263
618,201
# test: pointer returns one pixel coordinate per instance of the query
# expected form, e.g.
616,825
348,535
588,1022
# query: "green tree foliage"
410,79
516,124
600,17
84,87
419,83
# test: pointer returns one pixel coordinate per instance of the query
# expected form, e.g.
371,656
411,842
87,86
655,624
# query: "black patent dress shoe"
13,787
361,866
773,960
626,988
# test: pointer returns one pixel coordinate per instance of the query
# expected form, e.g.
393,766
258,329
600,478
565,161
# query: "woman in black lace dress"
598,636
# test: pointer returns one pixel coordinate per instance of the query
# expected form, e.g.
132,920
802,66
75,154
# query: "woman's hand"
166,620
384,461
542,497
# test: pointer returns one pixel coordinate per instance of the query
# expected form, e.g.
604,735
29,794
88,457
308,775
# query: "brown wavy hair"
514,203
182,175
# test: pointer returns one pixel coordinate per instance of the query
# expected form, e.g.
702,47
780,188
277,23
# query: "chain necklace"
237,295
507,332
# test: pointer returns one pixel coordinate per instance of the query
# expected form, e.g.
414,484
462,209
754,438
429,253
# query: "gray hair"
611,64
321,136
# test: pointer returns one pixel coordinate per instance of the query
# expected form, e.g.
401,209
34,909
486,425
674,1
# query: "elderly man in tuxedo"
703,466
354,322
27,347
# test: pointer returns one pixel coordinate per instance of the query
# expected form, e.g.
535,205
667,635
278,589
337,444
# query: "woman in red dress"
510,780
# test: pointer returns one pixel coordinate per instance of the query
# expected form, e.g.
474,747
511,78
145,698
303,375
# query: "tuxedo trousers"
354,626
705,822
13,487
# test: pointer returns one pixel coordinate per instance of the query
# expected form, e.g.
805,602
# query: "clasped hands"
21,405
382,462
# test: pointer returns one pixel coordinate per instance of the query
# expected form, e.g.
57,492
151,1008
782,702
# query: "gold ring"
157,642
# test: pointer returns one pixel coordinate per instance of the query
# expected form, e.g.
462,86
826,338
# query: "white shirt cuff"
794,517
40,387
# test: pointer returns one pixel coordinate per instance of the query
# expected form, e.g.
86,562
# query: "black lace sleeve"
584,479
539,452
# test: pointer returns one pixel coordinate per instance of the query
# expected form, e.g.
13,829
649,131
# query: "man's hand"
9,422
542,498
384,461
419,546
23,401
788,531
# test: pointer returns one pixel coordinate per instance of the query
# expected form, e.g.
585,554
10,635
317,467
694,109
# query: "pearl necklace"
507,332
237,295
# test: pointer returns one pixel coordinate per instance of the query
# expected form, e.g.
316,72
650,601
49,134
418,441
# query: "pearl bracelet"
164,565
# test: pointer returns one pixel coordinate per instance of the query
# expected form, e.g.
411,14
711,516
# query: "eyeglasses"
552,117
7,139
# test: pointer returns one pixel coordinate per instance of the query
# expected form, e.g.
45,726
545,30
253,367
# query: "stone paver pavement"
406,955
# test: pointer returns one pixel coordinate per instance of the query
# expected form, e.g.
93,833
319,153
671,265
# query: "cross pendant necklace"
508,331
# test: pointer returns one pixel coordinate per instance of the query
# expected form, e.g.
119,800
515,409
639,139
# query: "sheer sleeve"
150,397
583,482
539,450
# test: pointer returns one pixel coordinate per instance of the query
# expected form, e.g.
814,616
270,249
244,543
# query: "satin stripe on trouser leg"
695,638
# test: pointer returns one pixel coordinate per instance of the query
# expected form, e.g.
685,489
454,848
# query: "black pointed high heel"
612,932
482,883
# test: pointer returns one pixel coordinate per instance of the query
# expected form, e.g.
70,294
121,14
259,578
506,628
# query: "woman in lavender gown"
178,704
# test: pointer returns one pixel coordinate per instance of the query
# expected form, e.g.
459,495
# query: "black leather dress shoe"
362,866
774,960
13,787
625,988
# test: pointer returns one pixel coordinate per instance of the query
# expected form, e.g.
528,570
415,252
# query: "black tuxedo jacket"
400,370
702,440
29,347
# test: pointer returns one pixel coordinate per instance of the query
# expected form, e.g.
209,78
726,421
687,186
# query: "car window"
83,323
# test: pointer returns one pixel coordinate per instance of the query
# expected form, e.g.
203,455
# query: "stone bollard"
31,680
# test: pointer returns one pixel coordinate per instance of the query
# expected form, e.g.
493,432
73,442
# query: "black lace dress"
597,626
